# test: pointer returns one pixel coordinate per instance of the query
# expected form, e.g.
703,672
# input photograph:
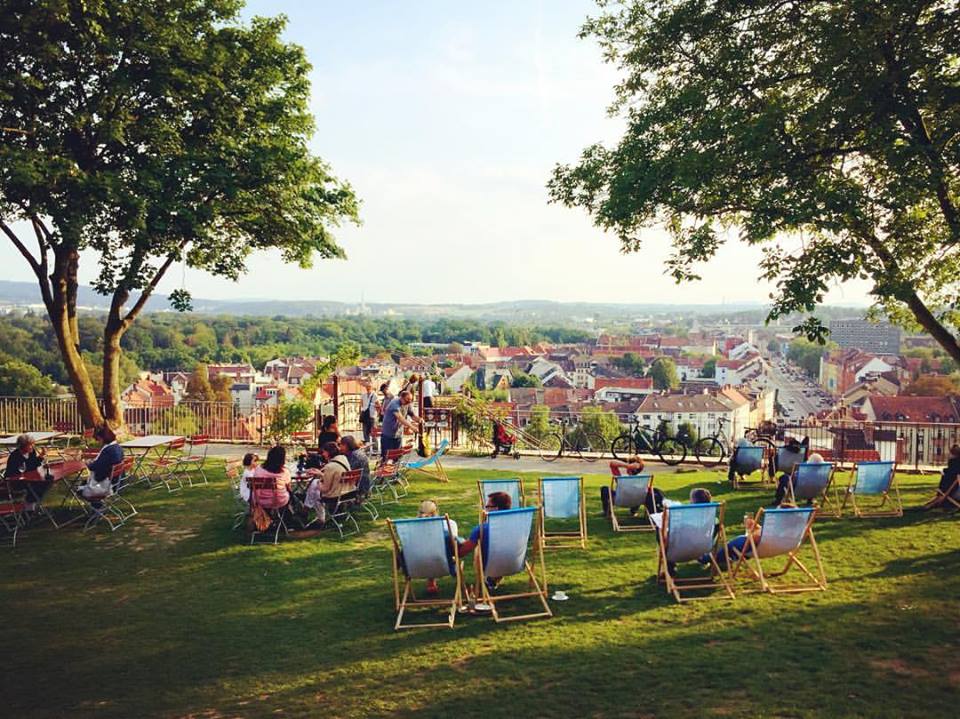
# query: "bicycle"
714,449
578,440
672,450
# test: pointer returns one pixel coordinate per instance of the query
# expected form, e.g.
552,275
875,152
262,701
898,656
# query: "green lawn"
174,616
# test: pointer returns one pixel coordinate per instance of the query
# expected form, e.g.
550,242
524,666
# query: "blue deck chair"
423,548
508,533
785,459
874,480
810,482
782,533
630,490
562,498
512,486
746,460
687,533
432,466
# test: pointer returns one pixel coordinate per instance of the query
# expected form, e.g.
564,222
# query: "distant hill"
542,311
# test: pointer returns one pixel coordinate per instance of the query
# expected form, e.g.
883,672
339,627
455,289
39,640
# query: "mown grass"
173,616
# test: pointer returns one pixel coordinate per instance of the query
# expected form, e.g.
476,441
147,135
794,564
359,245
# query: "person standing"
428,389
395,420
368,411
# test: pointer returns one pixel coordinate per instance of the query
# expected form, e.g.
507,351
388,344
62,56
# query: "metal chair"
114,509
265,496
194,458
168,468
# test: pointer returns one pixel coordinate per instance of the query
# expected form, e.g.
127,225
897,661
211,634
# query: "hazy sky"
447,118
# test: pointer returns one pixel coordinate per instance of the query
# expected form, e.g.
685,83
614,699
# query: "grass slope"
173,616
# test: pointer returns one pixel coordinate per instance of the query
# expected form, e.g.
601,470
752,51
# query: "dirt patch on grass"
148,533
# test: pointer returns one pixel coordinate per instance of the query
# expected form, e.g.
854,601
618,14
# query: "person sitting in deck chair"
784,482
736,546
633,466
502,439
948,481
428,508
496,501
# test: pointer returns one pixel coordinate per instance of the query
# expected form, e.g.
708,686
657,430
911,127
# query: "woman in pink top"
274,466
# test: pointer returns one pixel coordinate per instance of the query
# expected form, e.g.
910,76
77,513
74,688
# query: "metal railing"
917,445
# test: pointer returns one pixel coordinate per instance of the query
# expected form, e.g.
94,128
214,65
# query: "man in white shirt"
368,410
428,389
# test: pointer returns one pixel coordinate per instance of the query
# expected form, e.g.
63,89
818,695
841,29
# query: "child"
250,463
428,508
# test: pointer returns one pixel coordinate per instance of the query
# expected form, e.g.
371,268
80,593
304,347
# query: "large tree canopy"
832,126
152,132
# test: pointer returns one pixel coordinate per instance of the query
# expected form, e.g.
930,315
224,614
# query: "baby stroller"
503,441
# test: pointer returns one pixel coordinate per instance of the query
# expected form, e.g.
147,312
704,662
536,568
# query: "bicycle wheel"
671,450
550,447
623,447
587,444
709,451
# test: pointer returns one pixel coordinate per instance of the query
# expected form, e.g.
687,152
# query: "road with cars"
797,394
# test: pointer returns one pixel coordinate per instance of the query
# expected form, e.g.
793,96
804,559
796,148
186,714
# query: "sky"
447,119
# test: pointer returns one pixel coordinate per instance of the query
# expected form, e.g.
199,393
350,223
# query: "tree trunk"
65,329
930,323
111,373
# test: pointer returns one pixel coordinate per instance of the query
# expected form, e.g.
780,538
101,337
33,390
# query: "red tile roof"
624,382
914,409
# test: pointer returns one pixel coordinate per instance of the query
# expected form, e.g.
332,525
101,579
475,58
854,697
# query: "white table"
142,447
38,438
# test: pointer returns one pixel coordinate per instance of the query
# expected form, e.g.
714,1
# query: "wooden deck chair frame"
521,496
556,539
826,503
896,507
432,466
679,586
739,481
751,562
405,598
952,495
538,588
647,525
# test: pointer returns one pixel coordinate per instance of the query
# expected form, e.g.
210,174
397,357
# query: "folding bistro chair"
745,460
431,466
562,499
194,458
168,467
507,538
340,516
809,482
389,474
268,486
874,479
630,490
782,532
424,548
114,509
13,508
234,471
513,487
687,533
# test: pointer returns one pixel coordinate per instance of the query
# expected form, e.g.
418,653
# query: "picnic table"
38,438
142,447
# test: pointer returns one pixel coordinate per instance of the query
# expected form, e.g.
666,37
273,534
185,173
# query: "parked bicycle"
586,444
671,449
714,448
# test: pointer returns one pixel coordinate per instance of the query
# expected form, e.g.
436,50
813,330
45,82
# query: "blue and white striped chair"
424,548
874,480
512,486
630,490
504,551
689,532
782,533
562,500
810,482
